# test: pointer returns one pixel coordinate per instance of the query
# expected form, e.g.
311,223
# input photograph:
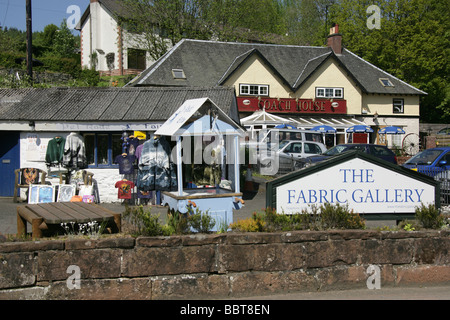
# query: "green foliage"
429,216
201,222
89,78
177,222
64,41
325,217
412,44
339,217
142,222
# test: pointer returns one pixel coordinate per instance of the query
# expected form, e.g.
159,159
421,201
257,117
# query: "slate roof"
211,63
106,104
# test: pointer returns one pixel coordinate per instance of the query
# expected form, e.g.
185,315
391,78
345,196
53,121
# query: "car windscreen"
425,157
335,150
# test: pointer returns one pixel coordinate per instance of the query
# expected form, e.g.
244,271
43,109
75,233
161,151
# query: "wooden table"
40,216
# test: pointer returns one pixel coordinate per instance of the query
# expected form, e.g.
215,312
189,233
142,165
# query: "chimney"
334,40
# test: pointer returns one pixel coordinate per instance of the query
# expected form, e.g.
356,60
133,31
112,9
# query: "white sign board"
179,118
364,186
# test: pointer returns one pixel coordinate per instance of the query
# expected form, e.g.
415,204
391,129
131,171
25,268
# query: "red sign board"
289,105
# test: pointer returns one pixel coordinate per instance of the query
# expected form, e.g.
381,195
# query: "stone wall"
220,265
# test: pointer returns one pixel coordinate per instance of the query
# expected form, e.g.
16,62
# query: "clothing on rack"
132,144
125,162
55,151
125,189
74,151
156,170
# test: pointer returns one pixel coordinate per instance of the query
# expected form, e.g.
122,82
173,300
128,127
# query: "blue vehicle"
431,161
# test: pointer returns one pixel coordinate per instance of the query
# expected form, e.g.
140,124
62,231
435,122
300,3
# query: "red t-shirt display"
125,189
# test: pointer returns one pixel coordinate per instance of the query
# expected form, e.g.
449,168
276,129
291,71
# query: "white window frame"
253,89
387,84
178,74
329,93
398,105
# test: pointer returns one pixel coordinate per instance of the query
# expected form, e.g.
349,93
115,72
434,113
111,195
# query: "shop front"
106,127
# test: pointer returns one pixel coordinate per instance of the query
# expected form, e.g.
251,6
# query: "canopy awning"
391,130
324,129
359,129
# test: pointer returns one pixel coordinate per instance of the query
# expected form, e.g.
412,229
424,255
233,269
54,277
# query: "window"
102,149
254,89
136,59
312,148
330,93
386,82
178,74
398,106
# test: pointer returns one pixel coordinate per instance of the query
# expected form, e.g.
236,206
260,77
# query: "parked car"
435,163
376,150
430,161
288,153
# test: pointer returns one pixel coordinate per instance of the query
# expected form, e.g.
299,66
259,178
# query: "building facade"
106,45
305,86
31,118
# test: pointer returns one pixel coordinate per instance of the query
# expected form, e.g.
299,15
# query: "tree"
157,25
410,44
64,41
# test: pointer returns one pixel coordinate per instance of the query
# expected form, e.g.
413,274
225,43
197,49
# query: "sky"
44,12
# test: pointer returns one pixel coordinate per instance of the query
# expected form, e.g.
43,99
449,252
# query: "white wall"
33,147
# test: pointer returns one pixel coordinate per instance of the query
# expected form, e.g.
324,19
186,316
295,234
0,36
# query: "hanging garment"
125,189
132,144
74,152
55,151
125,162
156,171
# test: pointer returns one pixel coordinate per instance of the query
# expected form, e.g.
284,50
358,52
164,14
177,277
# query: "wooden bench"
41,216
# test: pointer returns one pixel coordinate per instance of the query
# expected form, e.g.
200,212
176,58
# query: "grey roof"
106,104
210,63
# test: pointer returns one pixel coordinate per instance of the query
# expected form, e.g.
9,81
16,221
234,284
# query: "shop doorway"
9,161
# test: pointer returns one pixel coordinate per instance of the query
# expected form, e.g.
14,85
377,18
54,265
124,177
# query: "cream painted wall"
328,75
255,71
383,104
331,75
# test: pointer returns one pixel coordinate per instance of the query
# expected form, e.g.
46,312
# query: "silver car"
283,160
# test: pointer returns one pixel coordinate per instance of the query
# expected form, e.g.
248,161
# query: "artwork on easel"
66,192
39,193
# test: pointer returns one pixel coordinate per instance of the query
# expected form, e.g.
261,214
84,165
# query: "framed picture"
66,192
40,193
85,190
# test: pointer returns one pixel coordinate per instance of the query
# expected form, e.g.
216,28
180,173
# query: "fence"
443,176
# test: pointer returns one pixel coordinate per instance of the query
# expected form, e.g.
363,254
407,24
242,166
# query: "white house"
106,45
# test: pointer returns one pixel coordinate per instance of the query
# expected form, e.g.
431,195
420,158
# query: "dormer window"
386,82
178,74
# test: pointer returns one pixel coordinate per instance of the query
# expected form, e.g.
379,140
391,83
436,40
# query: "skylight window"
386,82
178,74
